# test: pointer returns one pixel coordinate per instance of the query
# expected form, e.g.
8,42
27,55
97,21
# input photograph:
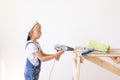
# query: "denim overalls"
31,71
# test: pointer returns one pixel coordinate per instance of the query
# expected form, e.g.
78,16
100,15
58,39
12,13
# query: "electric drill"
63,47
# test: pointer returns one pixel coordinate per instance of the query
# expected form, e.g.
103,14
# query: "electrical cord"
52,70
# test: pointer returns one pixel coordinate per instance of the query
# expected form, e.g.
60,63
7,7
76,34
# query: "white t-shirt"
30,50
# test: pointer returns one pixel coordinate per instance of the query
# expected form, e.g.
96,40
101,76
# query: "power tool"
63,47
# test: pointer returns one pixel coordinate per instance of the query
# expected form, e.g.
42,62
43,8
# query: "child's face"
36,32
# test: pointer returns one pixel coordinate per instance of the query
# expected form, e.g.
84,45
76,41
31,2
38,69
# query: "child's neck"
34,40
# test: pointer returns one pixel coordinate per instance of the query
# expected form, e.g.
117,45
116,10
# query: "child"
35,55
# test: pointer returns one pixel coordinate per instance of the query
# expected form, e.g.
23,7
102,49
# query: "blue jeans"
31,72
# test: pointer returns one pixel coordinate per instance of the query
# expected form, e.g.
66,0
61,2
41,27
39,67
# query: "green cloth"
98,46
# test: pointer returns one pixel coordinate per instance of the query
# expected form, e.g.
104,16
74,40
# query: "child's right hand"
58,54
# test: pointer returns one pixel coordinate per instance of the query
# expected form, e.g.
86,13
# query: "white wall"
69,22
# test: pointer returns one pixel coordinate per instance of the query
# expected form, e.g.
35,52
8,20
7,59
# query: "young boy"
35,55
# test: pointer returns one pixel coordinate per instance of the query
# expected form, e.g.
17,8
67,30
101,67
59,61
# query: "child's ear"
30,33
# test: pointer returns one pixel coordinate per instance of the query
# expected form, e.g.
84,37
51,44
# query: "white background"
68,22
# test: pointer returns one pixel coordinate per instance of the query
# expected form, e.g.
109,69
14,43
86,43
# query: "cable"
52,70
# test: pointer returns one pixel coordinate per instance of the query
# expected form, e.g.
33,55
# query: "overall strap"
28,43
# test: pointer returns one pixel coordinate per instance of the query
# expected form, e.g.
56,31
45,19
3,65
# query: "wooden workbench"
94,57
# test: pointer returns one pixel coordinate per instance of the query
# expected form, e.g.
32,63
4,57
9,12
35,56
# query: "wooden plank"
76,69
77,60
103,64
103,54
111,52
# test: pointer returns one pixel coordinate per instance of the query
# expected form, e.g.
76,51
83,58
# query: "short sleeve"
32,48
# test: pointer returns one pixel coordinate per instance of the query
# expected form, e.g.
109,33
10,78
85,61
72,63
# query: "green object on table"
98,46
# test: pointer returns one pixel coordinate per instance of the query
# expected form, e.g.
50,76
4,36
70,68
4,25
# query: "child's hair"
28,38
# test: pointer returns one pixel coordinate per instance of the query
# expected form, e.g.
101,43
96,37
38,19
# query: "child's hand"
58,54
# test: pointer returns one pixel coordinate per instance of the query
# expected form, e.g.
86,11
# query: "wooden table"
94,57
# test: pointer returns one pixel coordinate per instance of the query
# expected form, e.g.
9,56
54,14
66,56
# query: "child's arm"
45,54
46,57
